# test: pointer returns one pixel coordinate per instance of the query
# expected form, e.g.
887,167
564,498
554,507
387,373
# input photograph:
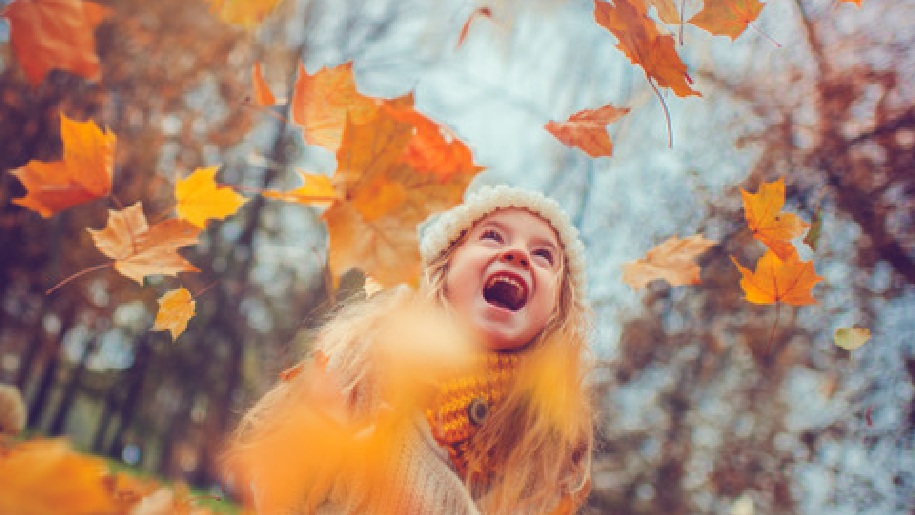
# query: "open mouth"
505,291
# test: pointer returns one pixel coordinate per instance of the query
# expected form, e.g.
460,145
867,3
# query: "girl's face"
504,279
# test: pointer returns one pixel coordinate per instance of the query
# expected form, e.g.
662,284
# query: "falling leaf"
46,476
84,174
140,250
485,12
856,2
769,225
727,17
813,235
672,261
247,13
316,189
49,34
638,38
12,410
176,307
262,94
433,148
587,129
776,280
322,102
667,11
199,198
851,338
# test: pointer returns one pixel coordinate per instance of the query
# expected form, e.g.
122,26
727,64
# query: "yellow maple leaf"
316,190
247,13
772,227
176,307
200,198
851,338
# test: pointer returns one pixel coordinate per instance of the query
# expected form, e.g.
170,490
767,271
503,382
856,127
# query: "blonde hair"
542,434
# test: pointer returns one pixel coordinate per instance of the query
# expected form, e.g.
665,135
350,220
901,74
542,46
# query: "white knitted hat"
447,227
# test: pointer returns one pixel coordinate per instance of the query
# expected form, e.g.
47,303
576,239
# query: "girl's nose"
515,257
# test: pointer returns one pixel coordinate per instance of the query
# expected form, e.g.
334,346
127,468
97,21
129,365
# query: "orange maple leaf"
672,261
247,13
788,280
374,226
139,250
727,17
262,94
434,148
638,38
199,198
667,11
316,190
176,307
48,34
46,476
769,225
84,174
587,129
321,104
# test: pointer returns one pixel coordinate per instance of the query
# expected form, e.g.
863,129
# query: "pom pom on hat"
447,227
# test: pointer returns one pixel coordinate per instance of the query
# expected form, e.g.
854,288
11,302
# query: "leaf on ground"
49,34
673,261
587,129
262,94
321,104
83,174
788,280
638,38
176,307
247,13
46,476
727,17
772,227
139,250
851,338
199,198
316,190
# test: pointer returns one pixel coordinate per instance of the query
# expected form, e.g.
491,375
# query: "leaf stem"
77,275
670,134
682,19
760,31
774,325
204,290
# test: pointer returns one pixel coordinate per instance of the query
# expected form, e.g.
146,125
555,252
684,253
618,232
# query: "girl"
404,409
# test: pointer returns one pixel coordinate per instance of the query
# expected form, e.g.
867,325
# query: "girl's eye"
545,254
491,234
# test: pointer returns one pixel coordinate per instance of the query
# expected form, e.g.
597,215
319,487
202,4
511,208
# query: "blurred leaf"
200,198
672,261
587,129
851,338
176,307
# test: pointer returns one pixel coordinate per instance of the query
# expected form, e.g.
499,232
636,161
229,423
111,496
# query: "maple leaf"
322,103
638,38
139,250
316,189
788,280
84,174
587,129
46,476
769,225
247,13
667,11
373,227
49,34
727,17
262,94
851,338
199,198
434,148
176,307
672,261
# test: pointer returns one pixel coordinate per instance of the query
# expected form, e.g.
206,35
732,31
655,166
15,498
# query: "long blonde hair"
542,434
